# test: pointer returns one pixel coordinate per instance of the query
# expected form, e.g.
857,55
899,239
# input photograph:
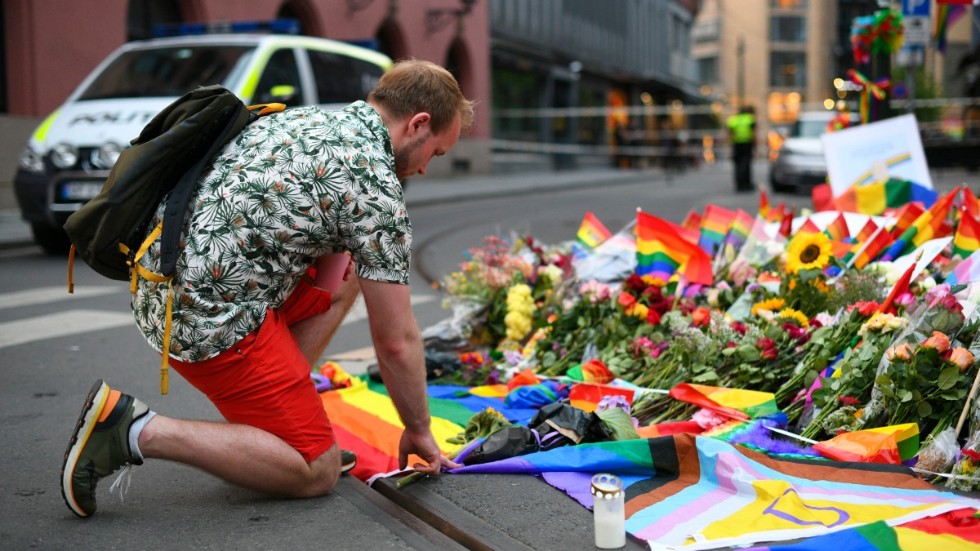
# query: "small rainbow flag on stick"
661,252
592,232
967,238
714,227
892,444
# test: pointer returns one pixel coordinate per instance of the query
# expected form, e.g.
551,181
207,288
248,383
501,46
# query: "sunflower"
808,251
795,316
771,304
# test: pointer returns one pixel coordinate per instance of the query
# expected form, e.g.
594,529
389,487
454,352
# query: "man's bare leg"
241,454
313,334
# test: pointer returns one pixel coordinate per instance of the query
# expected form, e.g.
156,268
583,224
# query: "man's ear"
419,123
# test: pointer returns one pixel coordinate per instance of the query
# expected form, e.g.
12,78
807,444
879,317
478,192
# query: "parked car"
799,164
68,158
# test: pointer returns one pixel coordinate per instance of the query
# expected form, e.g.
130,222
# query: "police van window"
280,80
342,79
165,72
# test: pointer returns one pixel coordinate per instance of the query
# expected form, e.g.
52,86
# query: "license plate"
79,191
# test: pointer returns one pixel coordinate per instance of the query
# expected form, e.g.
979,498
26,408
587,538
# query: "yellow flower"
771,304
653,281
638,311
808,251
795,316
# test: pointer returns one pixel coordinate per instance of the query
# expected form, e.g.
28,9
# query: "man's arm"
398,346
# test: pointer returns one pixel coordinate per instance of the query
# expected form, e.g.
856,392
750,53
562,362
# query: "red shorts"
264,380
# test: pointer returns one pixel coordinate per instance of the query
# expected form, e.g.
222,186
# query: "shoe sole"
347,467
87,419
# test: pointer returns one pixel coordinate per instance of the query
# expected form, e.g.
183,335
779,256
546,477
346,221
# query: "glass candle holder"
608,511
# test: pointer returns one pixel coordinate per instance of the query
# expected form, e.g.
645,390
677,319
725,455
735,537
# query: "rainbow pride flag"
970,203
592,232
947,13
876,198
693,492
730,402
927,226
714,227
661,252
366,422
837,230
892,444
967,238
953,530
739,230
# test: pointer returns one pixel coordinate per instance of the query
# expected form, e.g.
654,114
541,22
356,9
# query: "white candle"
608,511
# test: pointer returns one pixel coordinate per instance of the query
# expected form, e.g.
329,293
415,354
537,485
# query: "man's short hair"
414,86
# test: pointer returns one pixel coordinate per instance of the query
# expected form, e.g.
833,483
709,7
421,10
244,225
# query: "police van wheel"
53,240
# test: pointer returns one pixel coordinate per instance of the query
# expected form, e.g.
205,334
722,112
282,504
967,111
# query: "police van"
68,158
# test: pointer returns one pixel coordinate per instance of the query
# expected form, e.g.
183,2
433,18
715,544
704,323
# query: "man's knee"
324,472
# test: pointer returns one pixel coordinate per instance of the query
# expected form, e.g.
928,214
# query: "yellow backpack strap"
137,271
262,109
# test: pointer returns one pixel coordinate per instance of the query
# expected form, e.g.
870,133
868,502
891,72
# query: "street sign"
916,7
917,30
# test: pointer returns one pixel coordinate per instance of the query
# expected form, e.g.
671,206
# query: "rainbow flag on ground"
592,232
967,238
731,402
694,492
892,444
661,252
365,420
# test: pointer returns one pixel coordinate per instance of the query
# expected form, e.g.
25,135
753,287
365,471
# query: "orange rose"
900,352
962,358
701,316
938,340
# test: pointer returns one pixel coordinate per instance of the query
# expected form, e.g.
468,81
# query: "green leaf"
924,409
948,377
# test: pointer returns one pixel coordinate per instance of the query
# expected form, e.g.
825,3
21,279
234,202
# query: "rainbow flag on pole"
592,232
714,227
661,252
967,238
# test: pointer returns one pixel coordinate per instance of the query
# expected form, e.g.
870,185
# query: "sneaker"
99,445
348,460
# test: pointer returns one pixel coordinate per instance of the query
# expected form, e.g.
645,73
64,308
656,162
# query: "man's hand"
423,445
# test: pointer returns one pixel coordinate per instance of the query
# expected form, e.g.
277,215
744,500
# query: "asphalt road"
53,345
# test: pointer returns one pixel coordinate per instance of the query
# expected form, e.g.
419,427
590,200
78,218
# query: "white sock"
134,433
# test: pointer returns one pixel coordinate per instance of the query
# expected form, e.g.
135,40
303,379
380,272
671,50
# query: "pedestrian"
249,311
741,133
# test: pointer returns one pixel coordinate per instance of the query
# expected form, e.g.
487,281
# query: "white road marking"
44,295
62,324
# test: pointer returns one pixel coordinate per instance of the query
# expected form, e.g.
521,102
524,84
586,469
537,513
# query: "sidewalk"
15,232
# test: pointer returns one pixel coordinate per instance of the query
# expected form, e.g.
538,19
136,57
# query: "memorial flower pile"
842,333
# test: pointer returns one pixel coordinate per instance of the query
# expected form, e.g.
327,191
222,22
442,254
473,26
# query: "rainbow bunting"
966,271
661,252
892,444
967,238
592,232
876,198
837,230
731,496
714,227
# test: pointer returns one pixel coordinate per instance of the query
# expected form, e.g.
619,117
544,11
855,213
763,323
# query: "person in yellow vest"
741,133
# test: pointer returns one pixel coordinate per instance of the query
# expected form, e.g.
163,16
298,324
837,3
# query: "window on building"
514,89
708,70
787,29
143,15
787,69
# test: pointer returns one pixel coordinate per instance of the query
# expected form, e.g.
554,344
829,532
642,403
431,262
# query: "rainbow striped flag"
692,221
927,226
868,250
837,230
866,231
947,13
714,227
892,444
876,198
592,232
904,217
967,238
808,226
738,232
693,492
661,252
953,530
730,402
970,203
366,422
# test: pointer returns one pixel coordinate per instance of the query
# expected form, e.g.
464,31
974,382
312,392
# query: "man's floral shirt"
292,187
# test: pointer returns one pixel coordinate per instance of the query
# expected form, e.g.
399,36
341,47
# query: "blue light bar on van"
280,26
